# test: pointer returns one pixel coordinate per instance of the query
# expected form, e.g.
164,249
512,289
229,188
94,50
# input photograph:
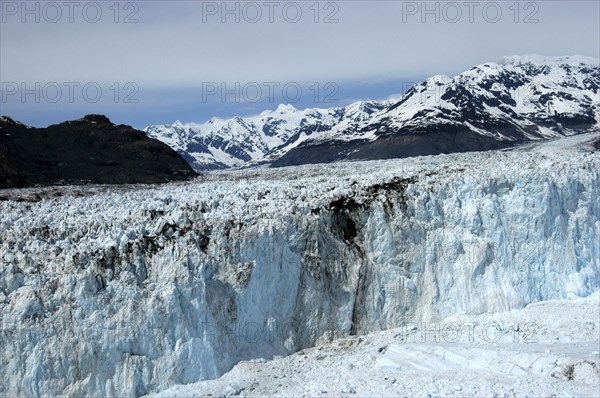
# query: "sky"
155,62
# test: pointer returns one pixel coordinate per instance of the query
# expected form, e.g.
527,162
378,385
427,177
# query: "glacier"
124,291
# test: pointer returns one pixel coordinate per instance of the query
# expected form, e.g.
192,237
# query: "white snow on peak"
536,59
439,79
186,126
285,108
7,119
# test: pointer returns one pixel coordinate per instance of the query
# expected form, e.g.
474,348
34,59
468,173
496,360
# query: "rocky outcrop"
88,150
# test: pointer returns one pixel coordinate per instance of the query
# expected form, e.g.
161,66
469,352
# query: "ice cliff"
124,291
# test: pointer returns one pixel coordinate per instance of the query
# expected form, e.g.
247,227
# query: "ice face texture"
124,291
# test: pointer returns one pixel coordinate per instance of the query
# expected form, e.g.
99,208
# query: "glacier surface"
131,290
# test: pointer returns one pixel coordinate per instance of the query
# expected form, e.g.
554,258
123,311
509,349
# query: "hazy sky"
151,62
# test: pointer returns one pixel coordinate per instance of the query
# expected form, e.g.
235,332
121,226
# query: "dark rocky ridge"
88,150
392,147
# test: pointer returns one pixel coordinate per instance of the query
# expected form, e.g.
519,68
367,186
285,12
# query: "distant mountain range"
91,149
491,106
236,142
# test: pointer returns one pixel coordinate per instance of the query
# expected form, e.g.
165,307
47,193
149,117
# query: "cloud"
183,44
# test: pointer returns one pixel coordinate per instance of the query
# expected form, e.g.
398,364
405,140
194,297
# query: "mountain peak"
86,150
538,59
439,79
285,108
97,119
8,120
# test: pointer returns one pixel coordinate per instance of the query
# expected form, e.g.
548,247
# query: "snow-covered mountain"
123,291
493,105
236,142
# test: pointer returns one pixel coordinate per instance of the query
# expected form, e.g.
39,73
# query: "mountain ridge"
491,106
90,149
